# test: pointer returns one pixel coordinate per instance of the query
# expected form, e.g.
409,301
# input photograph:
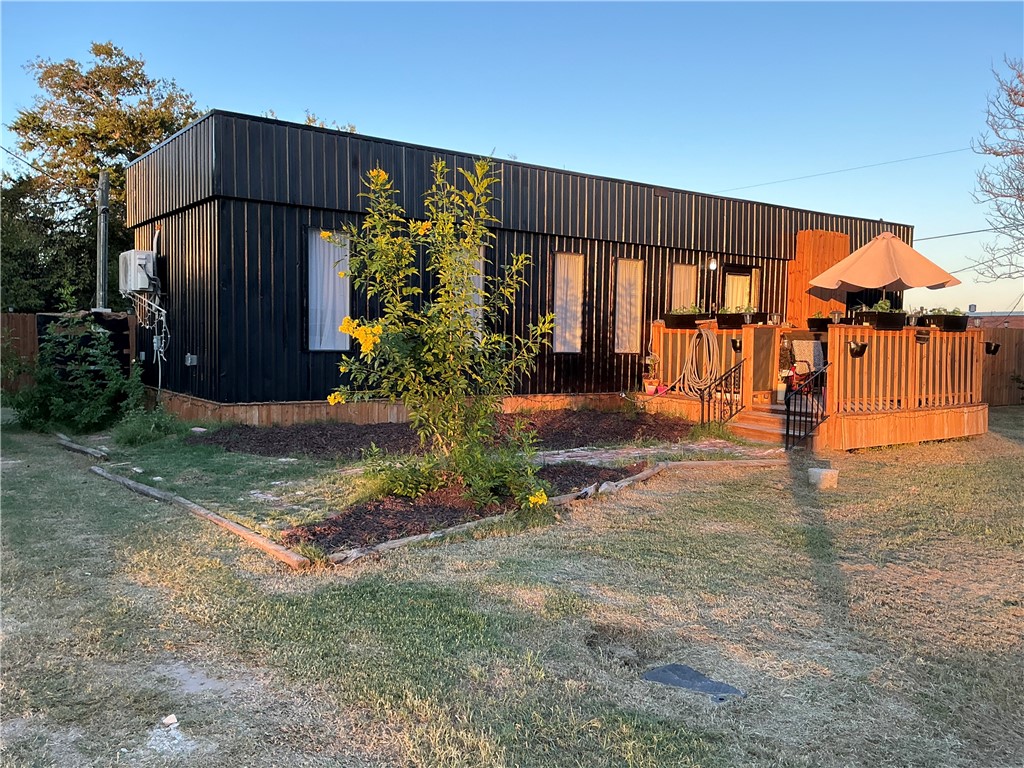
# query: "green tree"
88,117
1001,182
97,116
45,252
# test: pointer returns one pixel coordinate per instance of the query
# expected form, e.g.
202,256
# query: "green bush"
79,384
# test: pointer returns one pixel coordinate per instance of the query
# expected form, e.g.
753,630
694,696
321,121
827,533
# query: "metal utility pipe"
102,246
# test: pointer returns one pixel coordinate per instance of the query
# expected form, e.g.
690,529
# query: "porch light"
774,318
858,348
976,322
992,347
712,263
836,316
737,344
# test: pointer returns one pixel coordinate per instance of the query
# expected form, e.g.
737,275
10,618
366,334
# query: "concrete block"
823,478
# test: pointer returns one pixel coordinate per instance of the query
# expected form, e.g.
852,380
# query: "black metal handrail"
721,399
805,408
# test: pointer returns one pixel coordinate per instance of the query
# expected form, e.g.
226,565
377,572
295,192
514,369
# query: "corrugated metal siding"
178,173
311,167
187,268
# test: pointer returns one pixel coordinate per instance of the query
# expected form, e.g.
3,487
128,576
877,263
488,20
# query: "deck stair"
762,423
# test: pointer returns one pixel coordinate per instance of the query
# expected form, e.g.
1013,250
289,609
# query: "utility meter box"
136,271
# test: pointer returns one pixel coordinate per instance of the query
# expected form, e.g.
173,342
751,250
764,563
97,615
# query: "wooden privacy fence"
997,387
21,339
20,342
898,372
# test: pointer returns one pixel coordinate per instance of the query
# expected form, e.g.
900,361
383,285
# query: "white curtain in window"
328,293
568,335
737,291
684,285
629,301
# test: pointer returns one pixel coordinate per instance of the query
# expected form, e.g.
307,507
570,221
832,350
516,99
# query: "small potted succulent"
881,317
685,317
943,319
740,316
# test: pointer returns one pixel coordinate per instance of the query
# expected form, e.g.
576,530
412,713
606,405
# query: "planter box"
731,320
943,322
677,321
882,321
819,324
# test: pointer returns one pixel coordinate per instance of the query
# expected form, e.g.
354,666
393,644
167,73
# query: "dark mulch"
392,517
556,430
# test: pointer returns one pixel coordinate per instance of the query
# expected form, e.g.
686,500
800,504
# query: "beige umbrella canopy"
887,263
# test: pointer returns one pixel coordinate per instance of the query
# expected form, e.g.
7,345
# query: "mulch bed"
392,517
556,430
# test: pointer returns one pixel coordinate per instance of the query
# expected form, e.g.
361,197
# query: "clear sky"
697,96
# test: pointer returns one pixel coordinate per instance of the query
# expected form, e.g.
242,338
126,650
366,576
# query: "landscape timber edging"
282,553
65,442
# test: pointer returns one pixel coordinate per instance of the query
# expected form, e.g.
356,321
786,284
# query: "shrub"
442,353
79,384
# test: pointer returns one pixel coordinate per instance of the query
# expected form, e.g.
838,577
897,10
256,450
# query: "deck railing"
903,370
805,408
722,399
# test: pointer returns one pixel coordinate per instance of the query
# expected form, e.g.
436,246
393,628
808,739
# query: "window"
568,302
328,293
742,287
629,299
684,286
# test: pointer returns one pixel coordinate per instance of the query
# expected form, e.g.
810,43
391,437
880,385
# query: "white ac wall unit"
136,270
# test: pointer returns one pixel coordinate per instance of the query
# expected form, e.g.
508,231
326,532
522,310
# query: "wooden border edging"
349,556
285,555
65,442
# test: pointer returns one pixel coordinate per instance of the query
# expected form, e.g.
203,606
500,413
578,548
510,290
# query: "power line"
843,170
36,168
954,234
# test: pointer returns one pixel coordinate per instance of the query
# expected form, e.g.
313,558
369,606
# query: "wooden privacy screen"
816,251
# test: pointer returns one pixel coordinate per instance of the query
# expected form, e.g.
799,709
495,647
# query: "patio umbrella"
887,263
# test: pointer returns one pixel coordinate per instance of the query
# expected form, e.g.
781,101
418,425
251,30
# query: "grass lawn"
878,625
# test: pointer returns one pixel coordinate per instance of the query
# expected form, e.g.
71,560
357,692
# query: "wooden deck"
909,386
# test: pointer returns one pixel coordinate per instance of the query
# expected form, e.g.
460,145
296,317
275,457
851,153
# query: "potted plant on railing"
881,317
818,322
685,317
741,316
943,319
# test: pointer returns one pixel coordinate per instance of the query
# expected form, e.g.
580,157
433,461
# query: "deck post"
747,393
657,340
977,350
914,373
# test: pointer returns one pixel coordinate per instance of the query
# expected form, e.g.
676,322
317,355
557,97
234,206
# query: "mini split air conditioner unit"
136,270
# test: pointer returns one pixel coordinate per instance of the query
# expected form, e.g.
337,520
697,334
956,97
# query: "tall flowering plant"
439,349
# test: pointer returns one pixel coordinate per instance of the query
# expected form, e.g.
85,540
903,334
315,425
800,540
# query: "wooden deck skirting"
373,412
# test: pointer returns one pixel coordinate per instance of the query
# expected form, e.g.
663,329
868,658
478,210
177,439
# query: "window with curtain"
328,293
629,302
684,286
568,336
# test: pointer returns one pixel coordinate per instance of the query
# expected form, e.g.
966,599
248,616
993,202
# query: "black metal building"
237,196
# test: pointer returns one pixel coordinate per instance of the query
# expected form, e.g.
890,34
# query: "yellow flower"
348,325
425,227
378,176
342,275
325,235
538,498
334,398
